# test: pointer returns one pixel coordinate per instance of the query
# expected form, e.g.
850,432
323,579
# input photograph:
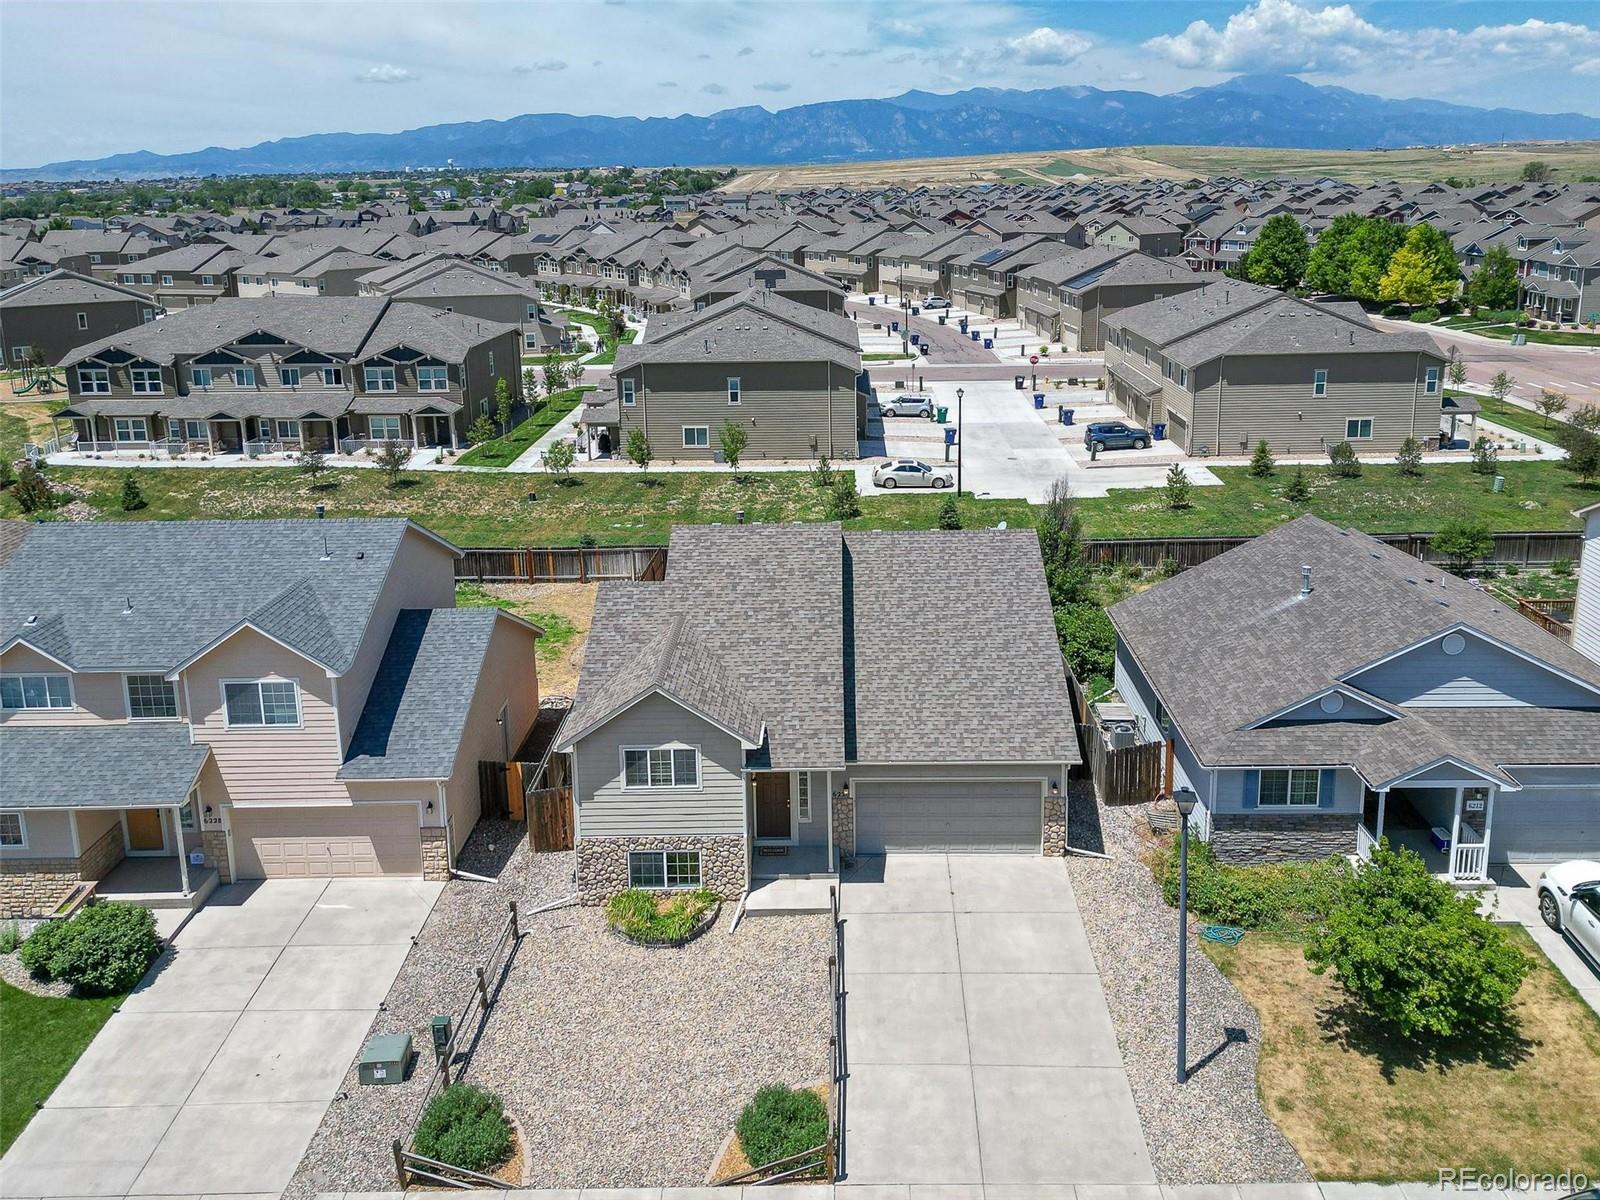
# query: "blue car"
1114,435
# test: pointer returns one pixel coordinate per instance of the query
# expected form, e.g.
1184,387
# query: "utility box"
384,1059
441,1031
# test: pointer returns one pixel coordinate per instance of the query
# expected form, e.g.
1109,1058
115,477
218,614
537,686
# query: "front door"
772,808
145,834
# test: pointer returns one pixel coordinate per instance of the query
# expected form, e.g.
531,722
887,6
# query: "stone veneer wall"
435,852
1055,826
33,887
1281,837
215,844
603,863
844,824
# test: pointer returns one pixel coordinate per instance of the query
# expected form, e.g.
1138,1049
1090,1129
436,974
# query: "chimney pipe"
322,511
1305,580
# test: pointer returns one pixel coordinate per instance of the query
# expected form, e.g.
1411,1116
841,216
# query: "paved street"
216,1071
1570,369
981,1050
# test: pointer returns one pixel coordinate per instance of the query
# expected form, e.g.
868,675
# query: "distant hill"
1249,110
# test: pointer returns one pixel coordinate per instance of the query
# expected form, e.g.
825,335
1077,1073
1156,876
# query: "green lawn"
609,355
40,1039
503,451
558,629
1514,416
1505,331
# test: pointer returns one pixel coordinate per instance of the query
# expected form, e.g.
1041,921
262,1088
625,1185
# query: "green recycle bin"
944,414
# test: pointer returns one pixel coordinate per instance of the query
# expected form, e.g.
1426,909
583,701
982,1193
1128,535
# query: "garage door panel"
1538,825
1001,816
366,840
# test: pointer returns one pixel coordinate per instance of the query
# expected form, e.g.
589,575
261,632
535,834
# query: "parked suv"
1114,435
909,405
1569,902
936,302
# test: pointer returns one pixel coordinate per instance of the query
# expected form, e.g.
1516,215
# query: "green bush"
781,1122
39,952
1271,896
1088,640
465,1127
103,950
1415,953
10,937
653,918
1425,315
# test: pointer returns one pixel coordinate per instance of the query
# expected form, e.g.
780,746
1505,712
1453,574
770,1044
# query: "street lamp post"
1185,800
960,395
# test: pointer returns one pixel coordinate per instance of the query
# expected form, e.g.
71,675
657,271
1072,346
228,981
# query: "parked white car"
908,472
936,302
1569,902
908,405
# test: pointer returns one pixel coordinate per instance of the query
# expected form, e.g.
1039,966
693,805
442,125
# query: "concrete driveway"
215,1073
1516,900
980,1047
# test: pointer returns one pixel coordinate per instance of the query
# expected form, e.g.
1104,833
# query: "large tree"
1422,271
1371,249
1494,283
1328,267
1278,258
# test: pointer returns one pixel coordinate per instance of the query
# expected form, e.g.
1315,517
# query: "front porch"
1448,826
158,883
793,860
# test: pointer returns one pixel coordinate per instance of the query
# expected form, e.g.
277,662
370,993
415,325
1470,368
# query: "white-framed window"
288,430
735,389
802,795
1297,788
166,281
129,279
1430,384
383,429
145,381
83,320
1319,383
664,870
379,379
186,820
289,377
332,376
94,258
1358,429
200,377
13,831
433,379
208,280
21,692
261,702
696,437
628,396
194,431
94,379
530,341
151,698
147,279
20,353
131,429
244,377
149,315
660,767
533,312
1183,377
491,362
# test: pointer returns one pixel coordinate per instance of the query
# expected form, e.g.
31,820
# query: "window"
380,379
1319,383
288,431
533,312
1431,385
332,376
147,279
151,698
262,702
83,320
530,341
433,379
131,429
186,813
94,379
734,389
1183,377
20,353
289,376
383,428
166,281
660,870
1289,789
200,377
244,377
627,392
195,431
146,381
666,767
491,362
802,796
94,258
13,832
696,437
129,278
20,692
208,281
1358,429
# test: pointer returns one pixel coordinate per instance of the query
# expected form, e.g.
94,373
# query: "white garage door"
1537,825
974,815
312,843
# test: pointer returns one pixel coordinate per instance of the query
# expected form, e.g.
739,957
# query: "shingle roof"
99,766
755,325
68,287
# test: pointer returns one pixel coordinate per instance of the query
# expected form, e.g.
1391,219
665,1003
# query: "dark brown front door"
772,806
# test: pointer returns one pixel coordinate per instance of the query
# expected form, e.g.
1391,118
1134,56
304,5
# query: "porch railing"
1364,842
261,447
354,445
1469,860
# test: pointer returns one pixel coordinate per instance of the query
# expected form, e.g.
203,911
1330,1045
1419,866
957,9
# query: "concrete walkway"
1516,901
216,1071
981,1050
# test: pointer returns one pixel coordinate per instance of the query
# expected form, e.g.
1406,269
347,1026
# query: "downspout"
1222,363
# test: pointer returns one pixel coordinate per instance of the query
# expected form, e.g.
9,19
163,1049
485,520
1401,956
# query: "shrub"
466,1127
649,917
1088,640
1415,954
1298,489
842,502
1262,464
949,514
822,475
1168,568
1485,458
8,473
101,951
1409,458
1343,461
31,492
10,937
1463,541
39,952
132,495
780,1122
1271,896
1178,490
480,431
1425,315
1561,567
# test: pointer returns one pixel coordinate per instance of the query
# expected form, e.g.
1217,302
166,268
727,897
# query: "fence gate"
492,797
550,818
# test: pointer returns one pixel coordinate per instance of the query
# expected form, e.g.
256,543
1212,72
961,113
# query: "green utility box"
384,1059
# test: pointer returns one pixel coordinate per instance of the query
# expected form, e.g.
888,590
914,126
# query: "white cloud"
1049,47
1590,67
544,64
772,85
816,52
666,83
714,89
388,73
899,27
1131,77
746,51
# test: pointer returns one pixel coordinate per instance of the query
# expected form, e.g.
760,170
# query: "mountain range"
1249,110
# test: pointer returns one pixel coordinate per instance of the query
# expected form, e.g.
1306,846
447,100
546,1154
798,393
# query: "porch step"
786,897
202,879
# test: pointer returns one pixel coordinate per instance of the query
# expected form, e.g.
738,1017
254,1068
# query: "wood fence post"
400,1164
483,991
516,933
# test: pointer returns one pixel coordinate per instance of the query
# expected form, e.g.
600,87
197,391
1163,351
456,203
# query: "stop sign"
1033,360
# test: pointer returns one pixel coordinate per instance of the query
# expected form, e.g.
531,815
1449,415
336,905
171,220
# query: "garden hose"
1226,935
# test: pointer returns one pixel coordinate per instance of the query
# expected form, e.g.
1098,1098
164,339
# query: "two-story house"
52,313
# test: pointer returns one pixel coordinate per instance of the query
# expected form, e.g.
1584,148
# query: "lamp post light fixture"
1185,799
961,394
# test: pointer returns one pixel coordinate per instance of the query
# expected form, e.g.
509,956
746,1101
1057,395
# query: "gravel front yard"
624,1066
1213,1128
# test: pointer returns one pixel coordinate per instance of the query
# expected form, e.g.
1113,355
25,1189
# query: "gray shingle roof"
68,287
756,325
99,766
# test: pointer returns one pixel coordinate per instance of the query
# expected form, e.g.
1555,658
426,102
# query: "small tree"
1409,458
132,494
392,458
8,473
1551,404
1463,541
31,491
1500,386
822,474
843,502
480,431
733,438
639,452
555,373
558,458
1343,461
1583,453
1456,372
1262,464
1298,489
530,384
1415,953
1178,490
502,404
1485,458
312,463
949,514
1536,170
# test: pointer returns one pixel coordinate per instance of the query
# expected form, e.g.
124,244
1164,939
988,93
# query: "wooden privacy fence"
1536,549
550,819
563,564
1131,775
494,792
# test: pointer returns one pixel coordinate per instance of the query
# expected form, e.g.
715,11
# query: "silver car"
910,405
936,302
909,472
1569,902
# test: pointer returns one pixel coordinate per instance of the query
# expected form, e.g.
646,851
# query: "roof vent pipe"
1305,580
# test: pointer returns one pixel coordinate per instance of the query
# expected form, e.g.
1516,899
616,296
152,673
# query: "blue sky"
173,75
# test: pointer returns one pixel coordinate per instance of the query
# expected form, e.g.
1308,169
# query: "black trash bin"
1021,381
